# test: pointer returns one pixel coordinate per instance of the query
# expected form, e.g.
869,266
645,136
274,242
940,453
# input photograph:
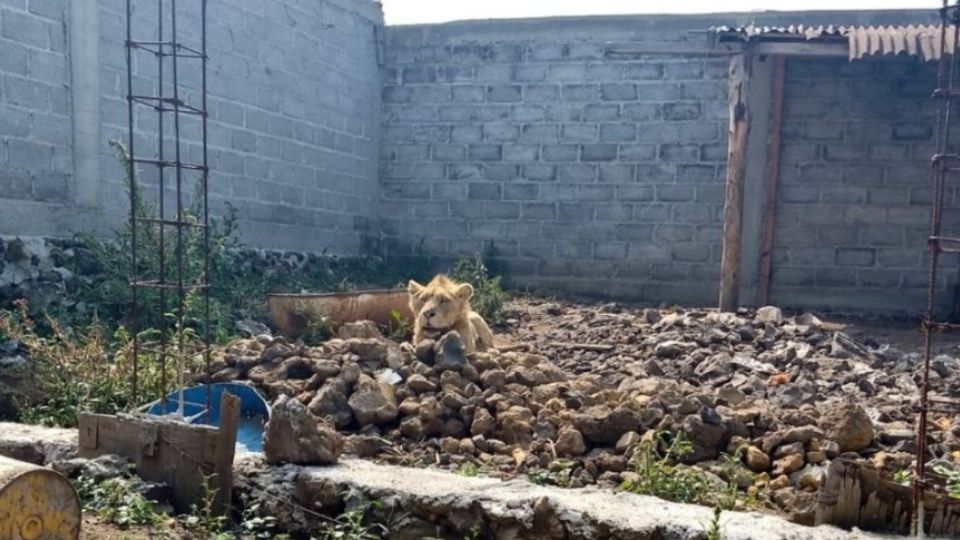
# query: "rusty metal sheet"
922,41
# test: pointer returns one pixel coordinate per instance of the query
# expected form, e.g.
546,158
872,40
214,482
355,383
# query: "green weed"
658,476
352,525
114,501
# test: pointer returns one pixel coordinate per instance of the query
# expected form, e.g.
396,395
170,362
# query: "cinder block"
540,172
618,92
601,113
538,93
501,132
464,93
486,192
598,152
577,173
618,132
504,93
536,211
559,152
521,192
683,110
540,133
679,152
615,173
614,212
579,132
610,251
521,153
855,256
24,28
485,152
674,193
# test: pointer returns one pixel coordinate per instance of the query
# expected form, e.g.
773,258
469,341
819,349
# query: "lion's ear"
465,291
414,288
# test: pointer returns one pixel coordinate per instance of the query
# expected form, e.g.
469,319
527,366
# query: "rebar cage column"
166,101
944,164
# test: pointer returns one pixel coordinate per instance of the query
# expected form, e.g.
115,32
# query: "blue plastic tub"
254,410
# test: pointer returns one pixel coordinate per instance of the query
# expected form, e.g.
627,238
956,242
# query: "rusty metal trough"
290,313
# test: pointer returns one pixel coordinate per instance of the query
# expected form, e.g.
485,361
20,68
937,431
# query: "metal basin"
291,312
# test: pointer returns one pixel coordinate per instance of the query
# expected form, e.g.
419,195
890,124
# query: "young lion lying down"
443,306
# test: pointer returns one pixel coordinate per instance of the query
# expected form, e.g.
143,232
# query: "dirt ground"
93,529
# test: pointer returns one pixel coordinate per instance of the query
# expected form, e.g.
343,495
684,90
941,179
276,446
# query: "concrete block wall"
294,101
854,199
590,172
35,146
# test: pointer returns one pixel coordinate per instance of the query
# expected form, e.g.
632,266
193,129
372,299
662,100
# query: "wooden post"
772,176
733,196
226,447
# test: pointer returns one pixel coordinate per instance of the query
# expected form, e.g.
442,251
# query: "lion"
442,306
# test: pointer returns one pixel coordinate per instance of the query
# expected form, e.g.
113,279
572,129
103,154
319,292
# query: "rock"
252,328
420,384
707,439
293,435
769,314
604,426
97,469
369,350
787,465
627,442
847,423
570,443
373,402
365,446
788,449
672,348
424,351
730,395
809,477
483,422
449,353
755,459
359,330
330,402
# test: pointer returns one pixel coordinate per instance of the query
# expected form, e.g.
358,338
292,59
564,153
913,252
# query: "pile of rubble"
583,386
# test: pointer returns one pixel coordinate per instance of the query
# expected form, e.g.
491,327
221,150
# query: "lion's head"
441,303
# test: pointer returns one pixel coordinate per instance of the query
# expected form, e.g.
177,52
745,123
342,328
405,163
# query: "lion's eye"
444,300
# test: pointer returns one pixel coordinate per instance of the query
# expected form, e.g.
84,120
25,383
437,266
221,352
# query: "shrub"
488,294
74,371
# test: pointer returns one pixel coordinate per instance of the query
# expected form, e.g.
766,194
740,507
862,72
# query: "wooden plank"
226,447
772,174
733,194
162,450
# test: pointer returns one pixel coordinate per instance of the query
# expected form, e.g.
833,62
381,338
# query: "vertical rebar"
162,264
206,207
131,177
180,215
945,92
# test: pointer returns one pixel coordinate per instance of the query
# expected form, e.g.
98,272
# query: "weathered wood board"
187,457
856,495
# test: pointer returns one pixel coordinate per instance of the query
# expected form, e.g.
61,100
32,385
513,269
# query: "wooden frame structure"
753,172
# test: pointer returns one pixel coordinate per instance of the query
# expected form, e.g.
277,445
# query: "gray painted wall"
294,126
590,169
598,172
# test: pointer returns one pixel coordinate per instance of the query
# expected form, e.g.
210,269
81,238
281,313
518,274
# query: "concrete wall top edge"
371,10
634,26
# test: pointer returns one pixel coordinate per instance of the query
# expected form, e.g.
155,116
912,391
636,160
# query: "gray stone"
293,435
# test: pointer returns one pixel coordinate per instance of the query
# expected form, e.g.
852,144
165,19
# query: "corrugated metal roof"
923,41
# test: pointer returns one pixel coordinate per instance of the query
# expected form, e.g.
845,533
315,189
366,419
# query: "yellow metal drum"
36,503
